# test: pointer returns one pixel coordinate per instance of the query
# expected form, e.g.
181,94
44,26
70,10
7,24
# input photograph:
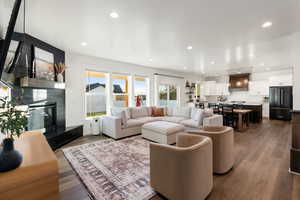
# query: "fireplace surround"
45,98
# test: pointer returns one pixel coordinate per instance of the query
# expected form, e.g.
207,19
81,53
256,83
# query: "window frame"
147,83
127,93
168,94
106,94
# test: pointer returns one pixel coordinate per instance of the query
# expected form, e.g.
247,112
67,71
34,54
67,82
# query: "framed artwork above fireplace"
43,68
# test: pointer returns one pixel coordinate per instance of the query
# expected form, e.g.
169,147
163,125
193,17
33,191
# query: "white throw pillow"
197,115
208,112
182,112
122,115
115,111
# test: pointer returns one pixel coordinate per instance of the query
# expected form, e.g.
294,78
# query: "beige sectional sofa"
125,122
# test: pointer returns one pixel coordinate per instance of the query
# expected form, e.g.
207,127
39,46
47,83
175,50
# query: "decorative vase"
9,157
60,78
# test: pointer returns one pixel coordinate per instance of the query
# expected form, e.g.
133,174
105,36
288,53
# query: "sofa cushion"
115,111
191,123
148,119
134,123
181,112
139,112
170,110
173,119
165,128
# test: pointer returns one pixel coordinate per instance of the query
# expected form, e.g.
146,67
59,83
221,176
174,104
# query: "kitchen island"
256,116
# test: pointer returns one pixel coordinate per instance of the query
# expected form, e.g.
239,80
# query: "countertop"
243,103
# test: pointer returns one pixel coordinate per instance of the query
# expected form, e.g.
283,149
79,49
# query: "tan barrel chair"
183,171
223,146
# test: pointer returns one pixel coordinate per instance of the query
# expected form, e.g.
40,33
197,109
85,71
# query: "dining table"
243,119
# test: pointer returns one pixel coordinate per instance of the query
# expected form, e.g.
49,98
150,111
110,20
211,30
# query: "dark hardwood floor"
260,171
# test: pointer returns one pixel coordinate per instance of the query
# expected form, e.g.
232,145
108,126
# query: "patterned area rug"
113,170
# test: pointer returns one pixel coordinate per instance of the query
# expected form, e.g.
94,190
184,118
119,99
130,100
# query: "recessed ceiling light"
262,64
150,59
114,15
83,44
184,67
189,48
267,24
212,62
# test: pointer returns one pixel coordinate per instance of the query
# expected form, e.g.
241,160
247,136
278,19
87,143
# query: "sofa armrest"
112,126
215,120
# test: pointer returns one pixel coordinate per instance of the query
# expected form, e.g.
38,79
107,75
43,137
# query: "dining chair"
229,117
215,107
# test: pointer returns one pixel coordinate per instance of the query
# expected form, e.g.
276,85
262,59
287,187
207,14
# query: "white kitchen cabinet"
281,80
259,88
211,88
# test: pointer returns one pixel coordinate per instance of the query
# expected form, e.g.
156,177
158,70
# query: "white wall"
296,64
75,81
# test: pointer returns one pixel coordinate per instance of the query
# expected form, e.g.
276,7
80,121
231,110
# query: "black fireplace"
46,98
42,116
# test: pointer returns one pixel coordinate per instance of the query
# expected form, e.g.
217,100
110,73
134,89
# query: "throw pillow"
122,115
197,115
208,112
157,112
116,111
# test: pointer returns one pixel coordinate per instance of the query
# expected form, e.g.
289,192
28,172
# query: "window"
120,90
172,96
163,95
140,91
167,95
95,94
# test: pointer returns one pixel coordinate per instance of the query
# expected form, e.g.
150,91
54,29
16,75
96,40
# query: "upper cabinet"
259,88
212,88
281,80
209,88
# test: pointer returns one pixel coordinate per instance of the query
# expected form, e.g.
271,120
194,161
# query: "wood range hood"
239,82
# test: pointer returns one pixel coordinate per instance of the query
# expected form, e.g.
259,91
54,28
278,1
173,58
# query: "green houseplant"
13,121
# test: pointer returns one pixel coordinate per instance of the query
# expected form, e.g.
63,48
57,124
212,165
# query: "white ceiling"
161,30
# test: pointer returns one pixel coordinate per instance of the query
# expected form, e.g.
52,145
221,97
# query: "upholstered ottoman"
162,132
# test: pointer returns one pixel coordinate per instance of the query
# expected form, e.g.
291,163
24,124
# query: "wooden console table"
37,178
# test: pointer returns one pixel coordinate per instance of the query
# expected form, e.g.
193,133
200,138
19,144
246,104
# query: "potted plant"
59,70
13,121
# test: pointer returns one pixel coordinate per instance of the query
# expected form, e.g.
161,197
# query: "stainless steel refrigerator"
281,102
